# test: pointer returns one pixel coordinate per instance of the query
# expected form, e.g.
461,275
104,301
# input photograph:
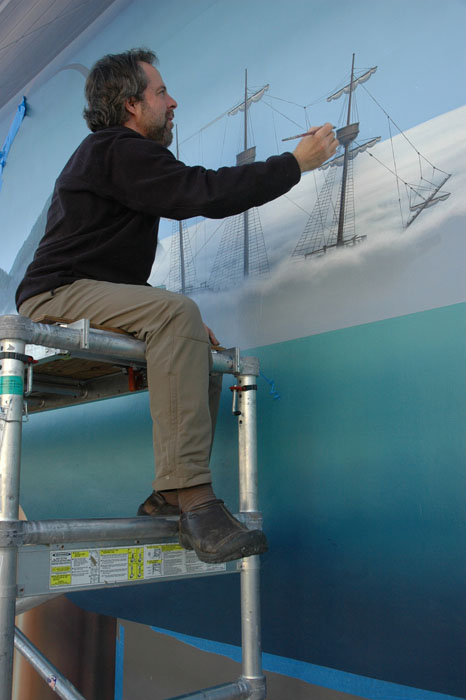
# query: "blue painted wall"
362,473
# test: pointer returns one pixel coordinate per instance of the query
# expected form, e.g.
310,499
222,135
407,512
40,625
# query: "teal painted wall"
362,487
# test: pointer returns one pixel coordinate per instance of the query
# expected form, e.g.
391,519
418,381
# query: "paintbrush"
300,136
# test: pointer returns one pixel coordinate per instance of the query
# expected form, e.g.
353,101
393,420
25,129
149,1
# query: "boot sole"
246,550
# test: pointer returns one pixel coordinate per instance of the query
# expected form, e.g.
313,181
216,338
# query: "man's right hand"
316,147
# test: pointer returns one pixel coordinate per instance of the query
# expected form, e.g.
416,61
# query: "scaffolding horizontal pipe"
107,346
47,387
96,389
238,690
101,345
89,530
45,532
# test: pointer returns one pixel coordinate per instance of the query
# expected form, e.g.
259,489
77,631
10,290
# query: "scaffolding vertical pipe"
250,566
12,365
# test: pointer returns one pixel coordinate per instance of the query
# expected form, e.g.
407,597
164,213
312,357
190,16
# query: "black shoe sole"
257,544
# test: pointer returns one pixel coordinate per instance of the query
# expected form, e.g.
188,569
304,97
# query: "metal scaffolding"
44,366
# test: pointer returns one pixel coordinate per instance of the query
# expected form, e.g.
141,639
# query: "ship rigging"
241,252
331,224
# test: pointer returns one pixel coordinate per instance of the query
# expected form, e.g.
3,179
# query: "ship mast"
241,253
180,233
314,240
331,227
341,219
246,215
182,273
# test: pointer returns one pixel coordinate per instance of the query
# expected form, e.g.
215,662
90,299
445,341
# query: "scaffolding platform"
56,363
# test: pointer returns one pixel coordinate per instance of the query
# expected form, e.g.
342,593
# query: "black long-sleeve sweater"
104,217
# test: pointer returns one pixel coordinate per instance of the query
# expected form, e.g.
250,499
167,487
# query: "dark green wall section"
362,487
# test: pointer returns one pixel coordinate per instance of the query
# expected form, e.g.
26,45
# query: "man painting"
97,253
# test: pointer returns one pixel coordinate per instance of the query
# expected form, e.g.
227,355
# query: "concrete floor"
158,667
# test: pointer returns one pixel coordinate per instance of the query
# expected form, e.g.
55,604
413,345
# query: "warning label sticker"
124,564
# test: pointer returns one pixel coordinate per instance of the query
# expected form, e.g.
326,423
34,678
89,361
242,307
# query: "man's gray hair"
114,79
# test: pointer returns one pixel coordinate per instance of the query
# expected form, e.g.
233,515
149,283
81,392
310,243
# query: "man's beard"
159,134
152,128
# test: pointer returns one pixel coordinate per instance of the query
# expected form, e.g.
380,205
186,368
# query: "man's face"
156,111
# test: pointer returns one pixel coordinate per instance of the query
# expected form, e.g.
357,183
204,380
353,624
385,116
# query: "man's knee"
187,318
189,306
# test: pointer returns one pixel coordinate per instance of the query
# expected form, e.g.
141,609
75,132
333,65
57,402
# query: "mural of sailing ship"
242,252
182,274
332,221
194,264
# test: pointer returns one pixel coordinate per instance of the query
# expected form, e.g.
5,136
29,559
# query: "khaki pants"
183,396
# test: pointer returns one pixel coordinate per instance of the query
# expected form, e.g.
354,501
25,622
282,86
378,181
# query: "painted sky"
394,272
302,48
303,51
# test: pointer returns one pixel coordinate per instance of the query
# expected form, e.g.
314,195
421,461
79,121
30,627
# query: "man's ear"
130,105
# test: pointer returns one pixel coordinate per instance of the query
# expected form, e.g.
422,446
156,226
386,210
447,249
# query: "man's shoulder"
120,138
101,155
96,149
109,135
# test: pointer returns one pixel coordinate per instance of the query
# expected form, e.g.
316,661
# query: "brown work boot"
156,504
217,536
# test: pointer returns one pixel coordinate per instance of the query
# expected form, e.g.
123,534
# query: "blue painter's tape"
16,123
119,661
363,686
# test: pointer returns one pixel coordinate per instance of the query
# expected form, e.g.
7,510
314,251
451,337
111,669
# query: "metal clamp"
28,380
17,356
83,326
137,379
11,533
257,687
5,411
236,389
